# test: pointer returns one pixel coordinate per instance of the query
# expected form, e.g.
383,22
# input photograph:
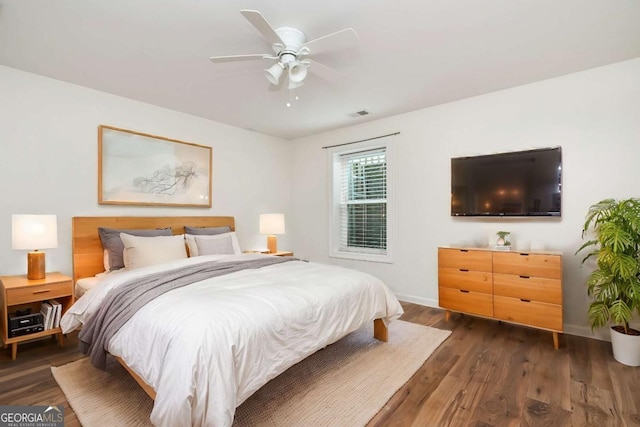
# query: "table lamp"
272,224
34,232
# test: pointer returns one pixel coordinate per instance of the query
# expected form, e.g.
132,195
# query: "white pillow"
143,251
193,246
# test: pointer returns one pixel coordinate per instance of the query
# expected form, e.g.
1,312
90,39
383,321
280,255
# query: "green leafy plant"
503,235
615,244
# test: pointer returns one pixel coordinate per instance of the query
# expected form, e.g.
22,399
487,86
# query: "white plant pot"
626,348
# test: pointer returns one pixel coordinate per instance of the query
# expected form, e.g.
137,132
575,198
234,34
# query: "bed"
200,350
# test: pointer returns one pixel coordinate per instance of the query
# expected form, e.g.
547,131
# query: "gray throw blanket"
122,303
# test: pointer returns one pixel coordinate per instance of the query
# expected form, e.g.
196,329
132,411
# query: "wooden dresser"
516,287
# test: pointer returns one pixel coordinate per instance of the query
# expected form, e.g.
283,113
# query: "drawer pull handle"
525,300
525,277
464,250
462,290
464,269
44,291
524,254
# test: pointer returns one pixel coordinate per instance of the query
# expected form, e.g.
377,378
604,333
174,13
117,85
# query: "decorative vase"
626,348
500,241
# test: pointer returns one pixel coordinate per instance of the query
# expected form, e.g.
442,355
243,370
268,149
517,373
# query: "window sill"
359,256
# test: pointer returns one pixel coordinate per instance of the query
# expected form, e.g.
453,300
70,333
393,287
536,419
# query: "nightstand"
18,293
266,252
282,253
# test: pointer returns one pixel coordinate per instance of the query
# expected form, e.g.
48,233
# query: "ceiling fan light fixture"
274,72
292,51
294,85
297,72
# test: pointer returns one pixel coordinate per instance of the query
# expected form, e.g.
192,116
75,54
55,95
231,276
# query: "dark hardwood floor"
485,374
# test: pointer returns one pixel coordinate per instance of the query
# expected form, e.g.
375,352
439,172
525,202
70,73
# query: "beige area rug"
344,384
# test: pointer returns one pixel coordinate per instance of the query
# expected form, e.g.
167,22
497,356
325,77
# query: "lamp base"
35,265
272,244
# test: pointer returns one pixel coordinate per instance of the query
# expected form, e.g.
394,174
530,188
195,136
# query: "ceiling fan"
292,51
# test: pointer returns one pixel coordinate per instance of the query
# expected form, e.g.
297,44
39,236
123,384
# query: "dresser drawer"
524,264
526,287
533,313
467,259
35,293
466,302
479,281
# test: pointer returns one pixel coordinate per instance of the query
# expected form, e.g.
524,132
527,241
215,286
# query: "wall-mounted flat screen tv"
522,183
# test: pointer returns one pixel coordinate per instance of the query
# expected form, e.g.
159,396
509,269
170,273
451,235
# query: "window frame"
334,201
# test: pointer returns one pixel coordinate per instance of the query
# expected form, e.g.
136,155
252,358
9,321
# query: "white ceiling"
412,53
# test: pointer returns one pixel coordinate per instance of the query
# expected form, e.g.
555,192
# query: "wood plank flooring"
486,374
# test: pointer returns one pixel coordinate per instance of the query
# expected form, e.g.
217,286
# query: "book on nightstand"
57,307
47,311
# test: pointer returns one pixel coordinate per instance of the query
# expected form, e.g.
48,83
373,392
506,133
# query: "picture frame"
136,168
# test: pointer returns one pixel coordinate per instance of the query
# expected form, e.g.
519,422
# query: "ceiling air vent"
359,113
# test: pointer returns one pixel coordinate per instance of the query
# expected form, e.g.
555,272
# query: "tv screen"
523,183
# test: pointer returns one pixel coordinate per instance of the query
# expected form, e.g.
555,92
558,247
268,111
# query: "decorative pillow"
210,231
223,246
111,241
193,246
143,251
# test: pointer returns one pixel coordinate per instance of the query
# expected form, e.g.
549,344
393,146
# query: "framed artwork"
136,168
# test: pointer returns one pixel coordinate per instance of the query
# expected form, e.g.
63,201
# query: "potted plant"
614,229
502,238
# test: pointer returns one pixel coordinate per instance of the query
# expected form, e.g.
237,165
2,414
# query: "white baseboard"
601,334
418,300
578,330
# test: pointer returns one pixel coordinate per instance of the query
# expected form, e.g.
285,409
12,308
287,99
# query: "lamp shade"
272,223
297,72
274,72
294,85
29,232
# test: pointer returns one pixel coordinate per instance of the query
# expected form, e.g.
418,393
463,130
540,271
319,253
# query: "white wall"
593,115
49,155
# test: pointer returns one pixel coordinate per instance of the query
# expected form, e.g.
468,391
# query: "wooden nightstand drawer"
466,301
479,281
533,313
35,293
531,288
468,259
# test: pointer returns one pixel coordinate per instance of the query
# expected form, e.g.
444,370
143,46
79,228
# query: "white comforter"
206,347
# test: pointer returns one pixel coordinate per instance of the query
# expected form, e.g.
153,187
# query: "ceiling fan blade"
325,72
261,24
340,40
231,58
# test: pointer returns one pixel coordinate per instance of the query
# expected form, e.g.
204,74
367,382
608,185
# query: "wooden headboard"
88,258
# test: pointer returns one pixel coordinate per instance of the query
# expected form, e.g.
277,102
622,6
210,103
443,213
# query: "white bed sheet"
85,284
206,347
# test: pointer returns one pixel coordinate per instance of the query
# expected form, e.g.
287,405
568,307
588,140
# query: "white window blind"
363,201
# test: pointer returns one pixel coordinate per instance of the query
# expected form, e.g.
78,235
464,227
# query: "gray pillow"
210,231
112,242
217,246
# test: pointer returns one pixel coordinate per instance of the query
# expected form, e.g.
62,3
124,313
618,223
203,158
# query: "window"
360,203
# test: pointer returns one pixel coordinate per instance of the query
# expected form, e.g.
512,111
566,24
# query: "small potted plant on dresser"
614,230
502,243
